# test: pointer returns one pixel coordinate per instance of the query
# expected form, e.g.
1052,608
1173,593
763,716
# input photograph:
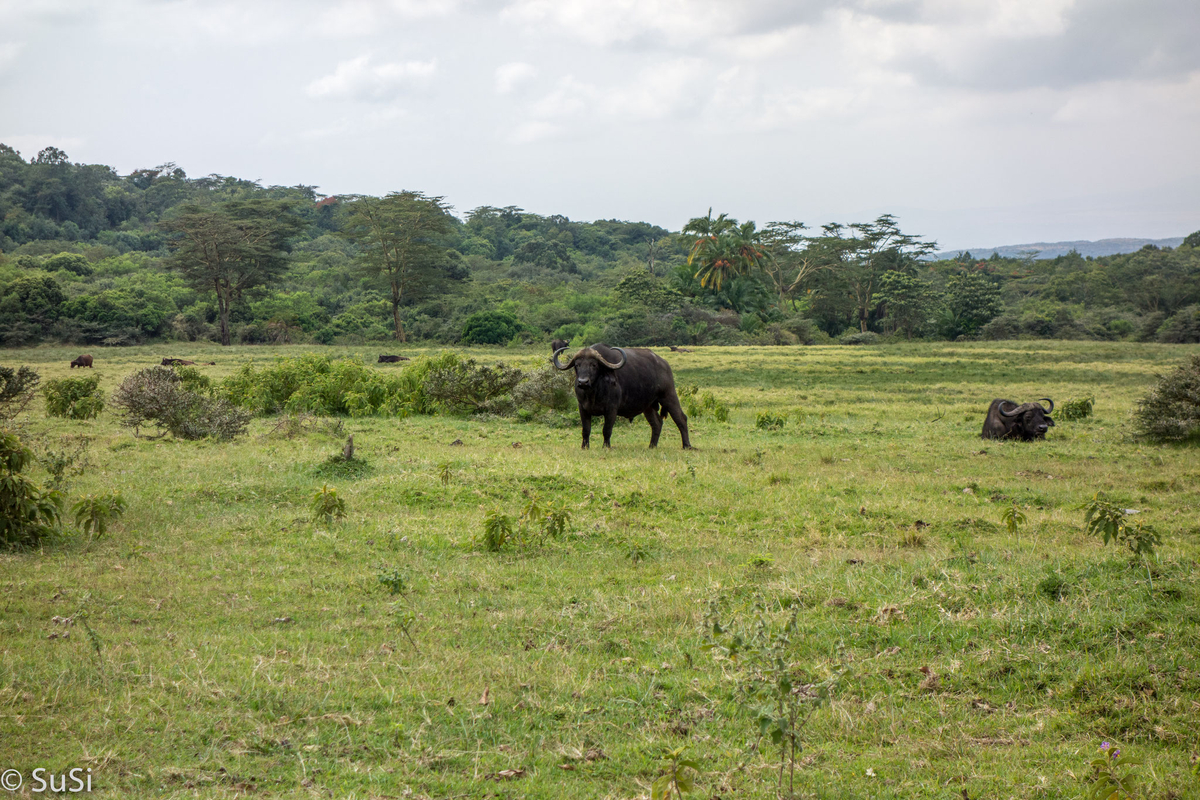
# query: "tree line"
89,256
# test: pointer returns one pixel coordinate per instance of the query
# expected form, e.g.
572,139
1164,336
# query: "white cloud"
668,90
358,79
510,76
607,22
8,53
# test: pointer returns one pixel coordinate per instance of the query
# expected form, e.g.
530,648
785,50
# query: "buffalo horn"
1004,413
567,365
609,364
1051,402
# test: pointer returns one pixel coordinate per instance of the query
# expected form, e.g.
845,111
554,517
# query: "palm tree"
723,249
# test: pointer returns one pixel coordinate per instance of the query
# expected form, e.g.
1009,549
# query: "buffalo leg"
655,425
585,420
610,419
671,406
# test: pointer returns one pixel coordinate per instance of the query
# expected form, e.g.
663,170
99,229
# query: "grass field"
217,643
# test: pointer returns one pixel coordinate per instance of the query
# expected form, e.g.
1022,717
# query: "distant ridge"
1103,247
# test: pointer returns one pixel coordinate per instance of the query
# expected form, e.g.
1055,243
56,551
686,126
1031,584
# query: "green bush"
193,380
17,387
469,386
74,398
28,513
157,396
1072,410
704,404
1171,411
334,387
327,507
490,327
860,337
94,512
545,388
770,421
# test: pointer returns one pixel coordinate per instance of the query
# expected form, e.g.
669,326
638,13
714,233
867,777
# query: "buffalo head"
1029,420
589,365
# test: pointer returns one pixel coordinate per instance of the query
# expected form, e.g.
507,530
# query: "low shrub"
157,396
28,513
17,387
705,404
770,421
860,337
490,327
545,388
94,512
1072,410
1112,524
74,398
470,386
327,507
193,379
329,386
1171,411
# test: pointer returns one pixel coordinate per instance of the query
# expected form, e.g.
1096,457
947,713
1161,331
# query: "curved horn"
1051,402
567,365
1012,413
609,364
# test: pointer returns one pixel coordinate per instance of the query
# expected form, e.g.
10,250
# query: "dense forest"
89,256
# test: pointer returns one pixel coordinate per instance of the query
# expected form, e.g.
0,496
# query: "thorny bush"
156,396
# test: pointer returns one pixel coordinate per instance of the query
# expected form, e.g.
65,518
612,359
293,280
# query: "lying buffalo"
391,359
83,361
613,382
1028,421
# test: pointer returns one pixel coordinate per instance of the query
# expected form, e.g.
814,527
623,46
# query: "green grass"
240,648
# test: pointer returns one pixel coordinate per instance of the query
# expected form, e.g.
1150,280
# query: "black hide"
1026,422
643,385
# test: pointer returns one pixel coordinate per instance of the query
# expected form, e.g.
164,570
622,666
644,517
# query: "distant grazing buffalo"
83,361
177,362
391,359
559,344
1028,421
613,382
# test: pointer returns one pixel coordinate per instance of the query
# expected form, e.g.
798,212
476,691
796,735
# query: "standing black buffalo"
559,344
1028,421
613,382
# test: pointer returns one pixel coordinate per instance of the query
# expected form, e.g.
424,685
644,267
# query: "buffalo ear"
1049,422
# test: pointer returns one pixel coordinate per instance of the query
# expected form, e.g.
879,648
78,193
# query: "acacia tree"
791,261
862,252
231,249
403,238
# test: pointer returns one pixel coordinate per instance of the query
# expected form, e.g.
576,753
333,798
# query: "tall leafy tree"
791,262
972,301
231,249
862,252
906,300
404,239
723,249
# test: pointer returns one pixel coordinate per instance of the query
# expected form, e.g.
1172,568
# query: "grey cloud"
1104,40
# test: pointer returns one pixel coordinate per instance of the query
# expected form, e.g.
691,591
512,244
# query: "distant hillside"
1103,247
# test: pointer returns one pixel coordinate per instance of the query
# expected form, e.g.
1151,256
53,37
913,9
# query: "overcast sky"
976,122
